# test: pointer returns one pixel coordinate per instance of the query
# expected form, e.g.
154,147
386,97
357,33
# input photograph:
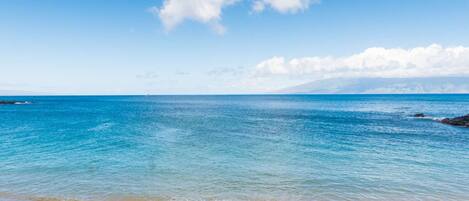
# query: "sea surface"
240,147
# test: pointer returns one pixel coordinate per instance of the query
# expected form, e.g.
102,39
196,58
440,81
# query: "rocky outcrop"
419,115
457,121
8,102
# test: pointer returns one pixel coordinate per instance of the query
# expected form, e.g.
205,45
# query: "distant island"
382,86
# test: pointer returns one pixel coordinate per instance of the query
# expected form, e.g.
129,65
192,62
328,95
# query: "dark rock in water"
12,102
457,121
419,115
7,102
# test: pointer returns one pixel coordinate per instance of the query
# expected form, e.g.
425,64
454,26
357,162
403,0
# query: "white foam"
22,103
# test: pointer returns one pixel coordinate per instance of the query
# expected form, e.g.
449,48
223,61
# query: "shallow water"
298,147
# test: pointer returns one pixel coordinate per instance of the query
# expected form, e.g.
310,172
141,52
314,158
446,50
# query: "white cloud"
434,60
174,12
283,6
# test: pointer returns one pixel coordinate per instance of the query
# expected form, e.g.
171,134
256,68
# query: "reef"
457,121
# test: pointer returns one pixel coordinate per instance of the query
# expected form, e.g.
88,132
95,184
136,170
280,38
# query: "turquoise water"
317,147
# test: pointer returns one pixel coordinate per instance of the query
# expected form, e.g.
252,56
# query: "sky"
224,46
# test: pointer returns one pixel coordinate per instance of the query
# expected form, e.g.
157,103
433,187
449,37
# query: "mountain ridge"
376,85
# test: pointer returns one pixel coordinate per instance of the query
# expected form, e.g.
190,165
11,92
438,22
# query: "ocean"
234,147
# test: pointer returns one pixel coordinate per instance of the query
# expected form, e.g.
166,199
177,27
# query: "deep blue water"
285,147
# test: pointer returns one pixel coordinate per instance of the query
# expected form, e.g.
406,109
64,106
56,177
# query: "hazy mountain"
19,93
383,85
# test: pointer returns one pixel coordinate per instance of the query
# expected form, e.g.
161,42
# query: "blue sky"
124,47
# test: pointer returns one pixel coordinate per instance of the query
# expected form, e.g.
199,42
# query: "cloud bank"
174,12
283,6
434,60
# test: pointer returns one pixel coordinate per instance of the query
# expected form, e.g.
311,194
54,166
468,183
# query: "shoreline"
321,196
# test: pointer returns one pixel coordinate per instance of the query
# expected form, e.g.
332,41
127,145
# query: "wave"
102,126
22,103
431,118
